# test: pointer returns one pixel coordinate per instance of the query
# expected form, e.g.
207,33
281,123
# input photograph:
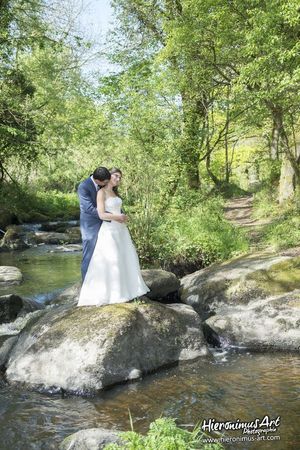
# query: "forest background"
200,104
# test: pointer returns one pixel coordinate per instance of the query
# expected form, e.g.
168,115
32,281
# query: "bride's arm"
101,209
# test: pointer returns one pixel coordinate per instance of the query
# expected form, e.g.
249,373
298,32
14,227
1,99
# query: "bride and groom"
110,266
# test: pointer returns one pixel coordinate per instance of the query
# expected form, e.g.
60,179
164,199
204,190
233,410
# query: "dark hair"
112,171
101,174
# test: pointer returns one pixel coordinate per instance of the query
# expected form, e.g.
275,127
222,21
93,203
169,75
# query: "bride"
113,274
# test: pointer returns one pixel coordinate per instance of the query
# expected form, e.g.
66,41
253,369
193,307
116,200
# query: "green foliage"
284,232
42,106
201,234
163,434
191,233
265,203
56,204
20,30
235,67
22,204
284,228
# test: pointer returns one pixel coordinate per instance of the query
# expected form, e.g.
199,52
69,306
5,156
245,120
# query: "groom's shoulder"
85,182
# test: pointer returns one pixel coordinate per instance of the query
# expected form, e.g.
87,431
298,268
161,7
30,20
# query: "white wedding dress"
113,274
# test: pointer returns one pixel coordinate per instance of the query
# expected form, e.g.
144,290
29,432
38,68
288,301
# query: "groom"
90,222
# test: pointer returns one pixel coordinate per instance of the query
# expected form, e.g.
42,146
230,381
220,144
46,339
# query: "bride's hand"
122,218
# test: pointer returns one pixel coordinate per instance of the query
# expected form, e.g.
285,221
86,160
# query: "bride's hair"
112,171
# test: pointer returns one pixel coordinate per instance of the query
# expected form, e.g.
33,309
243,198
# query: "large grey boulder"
90,439
160,282
10,275
240,280
263,324
84,349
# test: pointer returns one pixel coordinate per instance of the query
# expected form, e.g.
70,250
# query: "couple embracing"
110,266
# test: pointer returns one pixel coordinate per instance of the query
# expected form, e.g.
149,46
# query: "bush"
186,238
57,205
163,434
265,203
284,232
284,229
25,204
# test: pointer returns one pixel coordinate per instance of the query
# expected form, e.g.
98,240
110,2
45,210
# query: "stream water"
45,271
235,385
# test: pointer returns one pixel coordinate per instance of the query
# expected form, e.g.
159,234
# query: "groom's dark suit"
90,222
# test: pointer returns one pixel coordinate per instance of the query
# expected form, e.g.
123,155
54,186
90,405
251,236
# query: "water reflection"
44,271
245,386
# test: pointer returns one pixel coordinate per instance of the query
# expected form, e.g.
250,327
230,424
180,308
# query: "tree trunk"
290,168
1,172
194,177
274,144
190,160
214,178
227,162
287,181
194,112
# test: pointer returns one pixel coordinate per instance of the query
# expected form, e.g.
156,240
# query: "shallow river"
235,385
44,270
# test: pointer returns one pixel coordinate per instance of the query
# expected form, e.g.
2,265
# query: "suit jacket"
89,219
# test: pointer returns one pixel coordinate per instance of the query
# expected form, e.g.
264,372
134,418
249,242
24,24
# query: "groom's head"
101,176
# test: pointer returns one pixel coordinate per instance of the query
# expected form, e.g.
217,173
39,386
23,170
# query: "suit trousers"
88,247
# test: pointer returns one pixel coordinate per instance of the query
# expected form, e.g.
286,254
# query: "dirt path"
239,211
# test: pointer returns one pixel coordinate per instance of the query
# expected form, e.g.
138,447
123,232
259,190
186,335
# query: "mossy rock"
241,280
280,278
10,275
270,324
85,349
91,439
14,239
51,237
